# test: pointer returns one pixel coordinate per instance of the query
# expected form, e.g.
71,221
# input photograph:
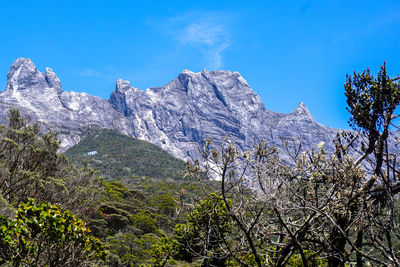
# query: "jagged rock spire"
122,85
302,112
52,79
24,75
123,92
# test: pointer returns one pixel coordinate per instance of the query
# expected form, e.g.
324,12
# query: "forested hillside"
57,212
116,156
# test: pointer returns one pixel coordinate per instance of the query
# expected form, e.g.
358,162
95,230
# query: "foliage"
163,251
29,163
166,204
123,156
317,208
205,232
31,167
137,213
42,234
372,101
140,205
131,222
131,250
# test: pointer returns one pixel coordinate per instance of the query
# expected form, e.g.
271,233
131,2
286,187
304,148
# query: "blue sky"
288,51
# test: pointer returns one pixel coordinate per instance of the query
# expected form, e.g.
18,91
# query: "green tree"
372,103
205,233
42,234
29,162
30,166
166,205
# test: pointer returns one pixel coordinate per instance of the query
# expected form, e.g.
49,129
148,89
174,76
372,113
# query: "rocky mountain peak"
186,71
122,85
24,75
221,83
23,63
52,79
302,111
185,78
227,80
118,97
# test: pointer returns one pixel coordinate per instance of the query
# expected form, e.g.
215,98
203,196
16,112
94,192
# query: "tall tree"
319,208
30,166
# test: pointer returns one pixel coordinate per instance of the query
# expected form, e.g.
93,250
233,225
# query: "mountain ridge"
178,116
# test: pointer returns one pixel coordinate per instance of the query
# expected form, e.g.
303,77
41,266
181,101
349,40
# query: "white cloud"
92,73
106,73
206,31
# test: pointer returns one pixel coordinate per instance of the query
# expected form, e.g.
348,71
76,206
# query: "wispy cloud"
106,73
92,73
206,31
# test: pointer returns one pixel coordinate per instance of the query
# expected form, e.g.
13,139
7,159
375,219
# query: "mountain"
177,117
119,156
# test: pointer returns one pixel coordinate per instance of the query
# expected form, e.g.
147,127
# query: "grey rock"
52,80
24,75
178,117
181,115
39,96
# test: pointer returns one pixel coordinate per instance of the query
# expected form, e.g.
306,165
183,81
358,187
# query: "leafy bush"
43,234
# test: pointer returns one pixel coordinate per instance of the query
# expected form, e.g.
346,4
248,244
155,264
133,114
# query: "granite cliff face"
39,96
177,117
197,106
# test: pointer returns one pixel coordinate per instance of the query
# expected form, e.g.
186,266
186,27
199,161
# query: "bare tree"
317,208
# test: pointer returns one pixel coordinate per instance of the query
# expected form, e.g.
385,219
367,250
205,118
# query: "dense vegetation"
33,176
317,209
118,156
43,194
